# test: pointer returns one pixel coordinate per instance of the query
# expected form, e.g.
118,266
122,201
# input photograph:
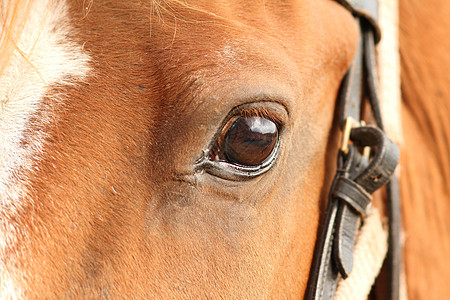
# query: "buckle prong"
350,123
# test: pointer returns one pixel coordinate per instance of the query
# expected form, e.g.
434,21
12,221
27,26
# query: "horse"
122,123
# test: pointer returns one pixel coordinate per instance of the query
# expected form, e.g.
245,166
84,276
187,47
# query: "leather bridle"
359,173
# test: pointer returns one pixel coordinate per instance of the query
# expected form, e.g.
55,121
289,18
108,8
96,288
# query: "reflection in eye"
246,140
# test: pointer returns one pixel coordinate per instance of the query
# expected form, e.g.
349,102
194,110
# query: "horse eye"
247,141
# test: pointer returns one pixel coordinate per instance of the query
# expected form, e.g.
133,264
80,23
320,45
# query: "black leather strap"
349,197
366,10
349,191
351,88
357,176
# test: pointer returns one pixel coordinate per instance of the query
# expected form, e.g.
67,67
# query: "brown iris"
247,140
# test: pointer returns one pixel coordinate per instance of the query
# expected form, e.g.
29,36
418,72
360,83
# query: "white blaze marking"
50,58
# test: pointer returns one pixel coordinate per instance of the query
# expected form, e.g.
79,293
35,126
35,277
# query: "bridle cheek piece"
359,173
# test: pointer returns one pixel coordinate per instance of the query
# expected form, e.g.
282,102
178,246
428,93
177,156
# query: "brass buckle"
350,123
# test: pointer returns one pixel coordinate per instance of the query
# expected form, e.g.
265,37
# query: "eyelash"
259,112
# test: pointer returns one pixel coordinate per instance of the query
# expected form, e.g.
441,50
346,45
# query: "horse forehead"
284,38
257,25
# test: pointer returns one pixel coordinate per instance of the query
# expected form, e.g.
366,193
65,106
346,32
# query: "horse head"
126,131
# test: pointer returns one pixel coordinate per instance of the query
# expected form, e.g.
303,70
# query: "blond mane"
13,16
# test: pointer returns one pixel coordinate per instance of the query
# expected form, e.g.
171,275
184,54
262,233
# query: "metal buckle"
350,123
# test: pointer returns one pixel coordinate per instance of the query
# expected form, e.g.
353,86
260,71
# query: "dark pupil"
250,140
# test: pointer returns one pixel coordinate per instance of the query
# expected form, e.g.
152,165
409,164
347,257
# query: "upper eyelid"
272,110
261,112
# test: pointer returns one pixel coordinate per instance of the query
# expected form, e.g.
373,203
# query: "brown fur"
424,48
